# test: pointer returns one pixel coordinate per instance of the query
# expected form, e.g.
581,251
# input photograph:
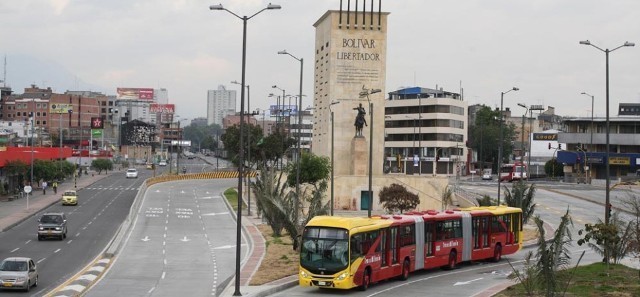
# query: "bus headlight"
304,274
342,276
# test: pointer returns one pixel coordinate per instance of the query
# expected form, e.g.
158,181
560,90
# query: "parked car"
486,175
162,163
132,173
18,273
70,197
52,224
149,165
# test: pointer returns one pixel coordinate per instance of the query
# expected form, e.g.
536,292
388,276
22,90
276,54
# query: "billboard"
163,108
60,108
134,94
283,110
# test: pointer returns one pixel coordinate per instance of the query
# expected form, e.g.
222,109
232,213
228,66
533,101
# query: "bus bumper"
307,280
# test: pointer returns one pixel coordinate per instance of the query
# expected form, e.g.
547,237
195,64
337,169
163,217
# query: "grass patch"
591,281
232,196
280,260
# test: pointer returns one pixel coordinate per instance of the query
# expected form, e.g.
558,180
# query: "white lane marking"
165,228
163,251
84,228
185,239
56,251
96,269
165,262
77,288
77,234
28,241
467,282
164,242
151,290
145,239
89,277
40,260
14,250
163,274
216,214
70,240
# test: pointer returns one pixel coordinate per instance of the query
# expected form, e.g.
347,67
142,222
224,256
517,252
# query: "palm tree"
521,197
554,255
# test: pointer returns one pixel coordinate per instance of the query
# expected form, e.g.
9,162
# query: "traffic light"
549,145
559,146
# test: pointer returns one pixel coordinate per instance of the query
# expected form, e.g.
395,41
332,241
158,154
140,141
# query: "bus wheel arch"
366,279
497,253
406,269
453,260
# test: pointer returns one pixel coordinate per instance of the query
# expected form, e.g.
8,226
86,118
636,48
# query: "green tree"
201,136
612,239
484,137
553,168
231,140
273,200
397,198
102,164
632,204
521,196
485,201
553,255
16,171
273,147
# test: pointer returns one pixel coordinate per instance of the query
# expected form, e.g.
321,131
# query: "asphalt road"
472,278
101,208
181,243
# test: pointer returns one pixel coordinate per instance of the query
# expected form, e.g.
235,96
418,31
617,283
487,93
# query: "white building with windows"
220,103
425,132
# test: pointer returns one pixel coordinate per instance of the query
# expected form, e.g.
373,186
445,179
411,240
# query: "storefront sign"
545,136
619,161
594,160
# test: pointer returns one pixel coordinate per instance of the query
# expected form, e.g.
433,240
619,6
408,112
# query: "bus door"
384,246
498,230
393,245
480,232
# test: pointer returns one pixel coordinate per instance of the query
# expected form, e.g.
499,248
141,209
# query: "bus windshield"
324,250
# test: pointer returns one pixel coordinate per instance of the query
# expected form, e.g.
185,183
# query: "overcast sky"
487,46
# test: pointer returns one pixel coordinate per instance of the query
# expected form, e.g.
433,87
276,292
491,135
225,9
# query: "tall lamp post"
608,180
332,145
241,153
522,172
501,137
365,93
248,149
298,153
591,143
607,207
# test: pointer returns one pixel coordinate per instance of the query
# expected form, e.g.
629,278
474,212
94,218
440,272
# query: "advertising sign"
60,108
163,108
97,123
619,161
134,94
283,110
96,132
545,136
181,142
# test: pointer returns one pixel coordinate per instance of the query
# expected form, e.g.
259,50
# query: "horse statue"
360,120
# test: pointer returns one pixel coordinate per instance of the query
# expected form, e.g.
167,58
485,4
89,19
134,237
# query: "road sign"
27,189
61,108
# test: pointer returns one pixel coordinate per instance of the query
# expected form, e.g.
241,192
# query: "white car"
162,163
486,176
132,173
18,273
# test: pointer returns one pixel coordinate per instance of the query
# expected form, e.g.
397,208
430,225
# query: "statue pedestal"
359,156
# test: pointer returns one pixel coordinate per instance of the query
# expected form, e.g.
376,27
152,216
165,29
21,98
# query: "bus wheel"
453,256
405,270
366,280
497,254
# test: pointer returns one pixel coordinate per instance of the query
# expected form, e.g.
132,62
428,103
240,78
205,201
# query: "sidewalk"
14,212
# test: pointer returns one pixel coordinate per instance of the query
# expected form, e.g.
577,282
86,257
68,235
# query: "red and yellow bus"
349,252
511,172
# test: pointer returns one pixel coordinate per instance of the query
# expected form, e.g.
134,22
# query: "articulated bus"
349,252
511,172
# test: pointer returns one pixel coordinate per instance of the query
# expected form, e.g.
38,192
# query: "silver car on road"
18,273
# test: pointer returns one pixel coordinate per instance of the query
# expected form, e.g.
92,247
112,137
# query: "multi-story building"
306,129
220,103
585,141
199,122
425,131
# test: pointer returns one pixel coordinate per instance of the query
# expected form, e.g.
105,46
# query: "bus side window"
356,246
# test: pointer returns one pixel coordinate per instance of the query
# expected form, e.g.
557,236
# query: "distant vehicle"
141,161
162,163
190,157
511,172
486,174
132,173
184,170
52,224
18,273
149,165
70,197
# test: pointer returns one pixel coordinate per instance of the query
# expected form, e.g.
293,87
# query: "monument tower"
350,55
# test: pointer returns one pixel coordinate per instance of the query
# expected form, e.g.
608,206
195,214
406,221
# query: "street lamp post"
241,153
501,137
280,120
522,143
591,143
366,93
299,148
248,149
332,145
608,179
